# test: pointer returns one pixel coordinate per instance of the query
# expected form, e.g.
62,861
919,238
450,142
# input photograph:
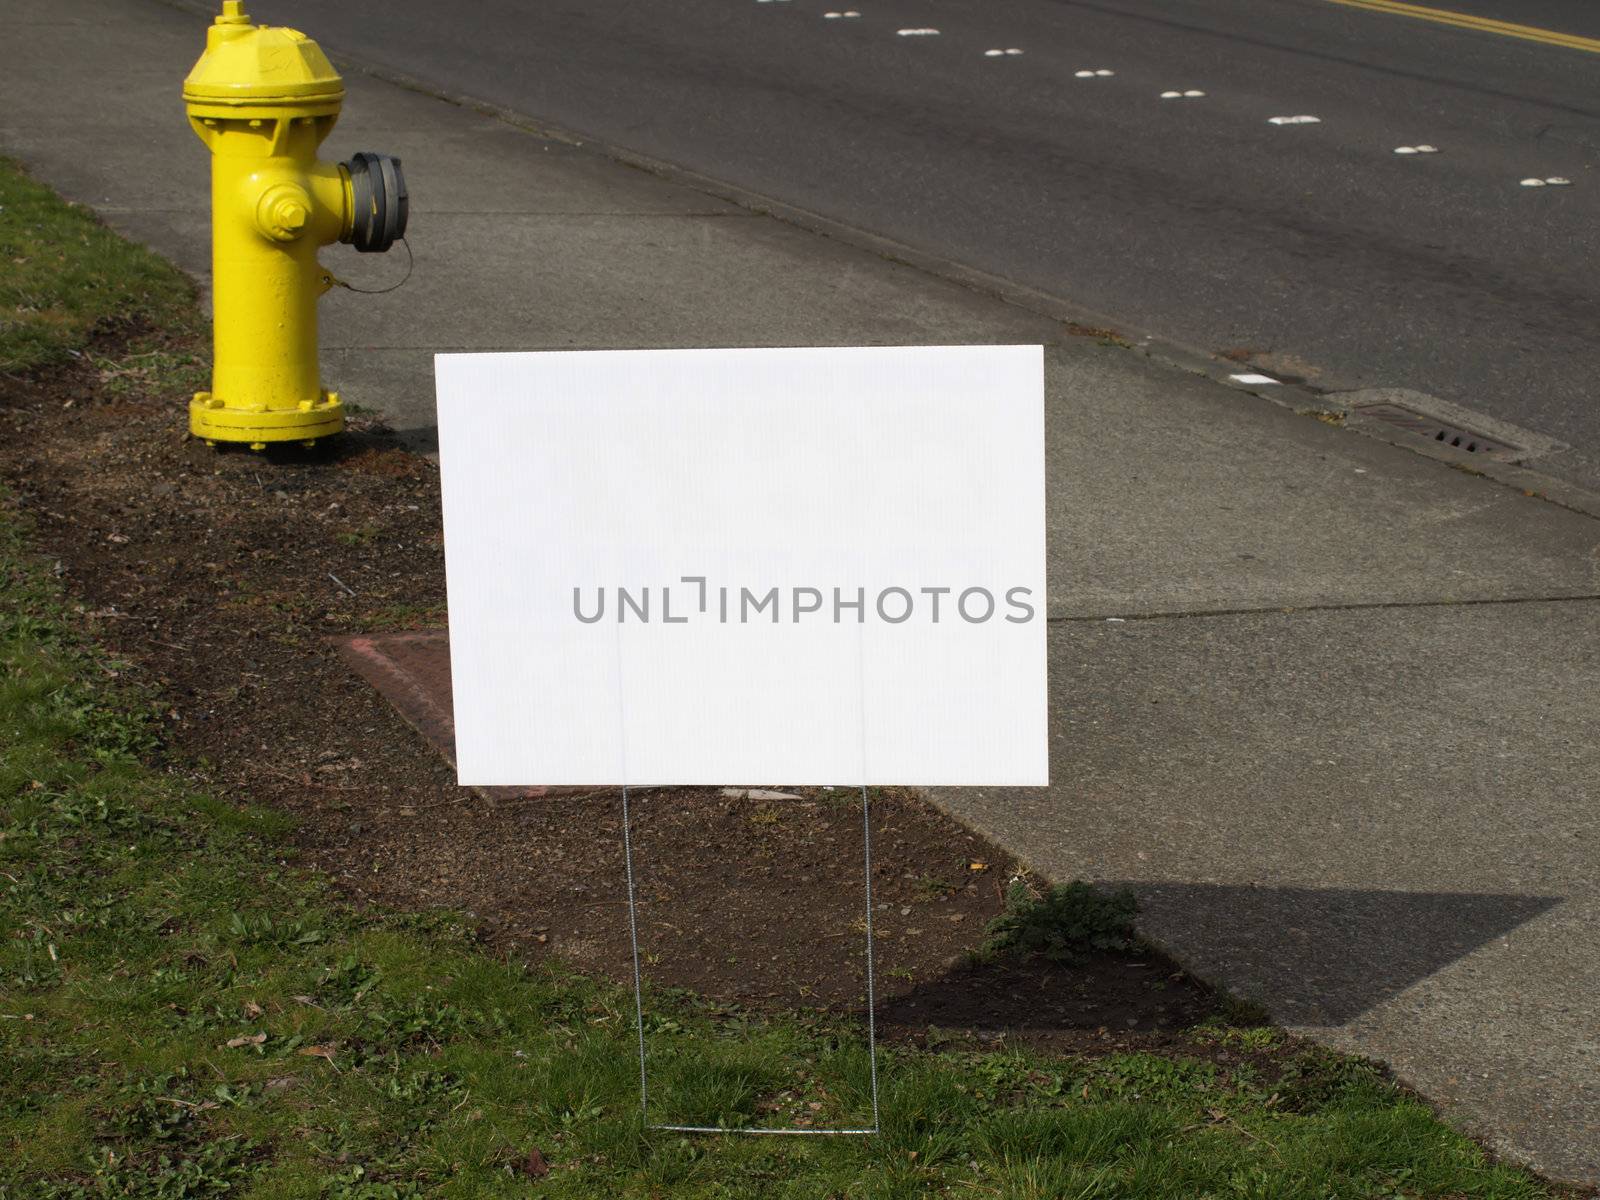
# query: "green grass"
63,275
183,1013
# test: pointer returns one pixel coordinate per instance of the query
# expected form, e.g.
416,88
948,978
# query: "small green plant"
933,887
356,537
259,929
1247,1035
1065,924
1317,1079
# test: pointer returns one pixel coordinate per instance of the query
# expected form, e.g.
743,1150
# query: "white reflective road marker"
1559,181
1000,53
1533,183
1302,119
1102,73
1252,378
834,16
1190,94
917,32
1416,149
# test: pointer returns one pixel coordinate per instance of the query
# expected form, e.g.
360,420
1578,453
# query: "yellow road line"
1443,16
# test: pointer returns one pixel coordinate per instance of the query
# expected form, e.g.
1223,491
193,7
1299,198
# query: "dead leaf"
316,1052
534,1165
250,1039
252,1010
977,866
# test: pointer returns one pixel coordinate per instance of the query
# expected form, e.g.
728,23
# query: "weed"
356,537
259,929
1317,1079
1247,1035
932,887
1065,924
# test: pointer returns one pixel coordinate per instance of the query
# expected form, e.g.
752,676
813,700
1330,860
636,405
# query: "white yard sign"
807,566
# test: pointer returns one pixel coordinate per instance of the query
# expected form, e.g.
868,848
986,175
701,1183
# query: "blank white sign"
801,566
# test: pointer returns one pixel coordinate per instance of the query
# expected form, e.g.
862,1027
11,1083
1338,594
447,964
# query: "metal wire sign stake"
638,994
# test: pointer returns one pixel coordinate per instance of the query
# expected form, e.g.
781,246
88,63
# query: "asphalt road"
1313,248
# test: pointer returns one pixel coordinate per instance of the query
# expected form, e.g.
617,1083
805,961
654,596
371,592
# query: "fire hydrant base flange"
217,423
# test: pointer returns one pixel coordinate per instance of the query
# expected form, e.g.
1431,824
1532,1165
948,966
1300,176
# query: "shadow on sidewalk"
1321,956
1311,956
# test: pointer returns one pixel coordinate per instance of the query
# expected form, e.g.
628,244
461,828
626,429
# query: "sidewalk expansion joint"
540,215
1297,609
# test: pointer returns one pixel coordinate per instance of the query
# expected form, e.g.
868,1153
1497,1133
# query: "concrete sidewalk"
1330,705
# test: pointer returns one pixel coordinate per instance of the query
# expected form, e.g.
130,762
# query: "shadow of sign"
1321,956
1126,994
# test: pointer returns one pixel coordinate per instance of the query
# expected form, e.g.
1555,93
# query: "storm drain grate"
1441,431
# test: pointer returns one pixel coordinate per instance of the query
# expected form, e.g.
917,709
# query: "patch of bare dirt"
223,576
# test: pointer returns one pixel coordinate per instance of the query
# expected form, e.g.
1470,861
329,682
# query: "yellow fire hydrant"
263,99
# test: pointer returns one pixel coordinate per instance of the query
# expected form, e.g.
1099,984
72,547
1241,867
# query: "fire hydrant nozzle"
263,99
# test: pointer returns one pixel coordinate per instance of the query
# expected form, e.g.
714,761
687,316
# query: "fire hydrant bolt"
283,212
262,99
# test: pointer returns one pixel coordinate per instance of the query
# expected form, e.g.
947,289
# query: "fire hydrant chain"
334,281
263,98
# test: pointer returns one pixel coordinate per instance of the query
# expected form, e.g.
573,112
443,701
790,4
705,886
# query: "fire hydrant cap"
261,64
